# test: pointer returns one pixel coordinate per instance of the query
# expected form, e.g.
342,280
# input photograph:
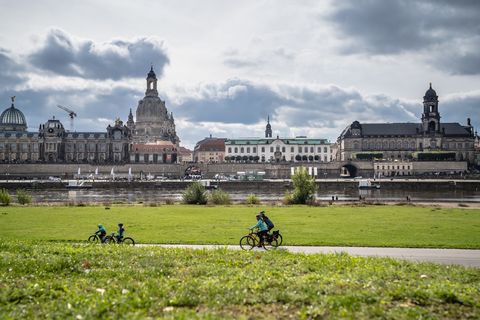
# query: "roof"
211,144
406,129
183,150
294,141
18,134
13,116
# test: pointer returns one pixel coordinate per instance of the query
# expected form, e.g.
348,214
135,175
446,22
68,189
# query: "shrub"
5,197
194,194
23,197
288,198
252,199
304,187
220,197
169,201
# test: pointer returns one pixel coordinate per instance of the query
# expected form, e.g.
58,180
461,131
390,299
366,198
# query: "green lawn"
402,226
78,281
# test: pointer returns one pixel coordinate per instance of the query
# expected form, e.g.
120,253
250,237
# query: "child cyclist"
121,231
262,229
101,233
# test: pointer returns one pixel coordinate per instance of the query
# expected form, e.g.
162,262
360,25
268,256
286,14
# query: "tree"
304,158
310,158
304,186
298,157
317,157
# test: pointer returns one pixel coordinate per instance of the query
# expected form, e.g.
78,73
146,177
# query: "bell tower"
268,129
151,84
430,116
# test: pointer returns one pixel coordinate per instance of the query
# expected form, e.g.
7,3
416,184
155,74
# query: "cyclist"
101,232
267,221
263,229
120,232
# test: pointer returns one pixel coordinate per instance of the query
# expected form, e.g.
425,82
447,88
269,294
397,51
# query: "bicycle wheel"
269,245
93,238
279,240
128,241
247,242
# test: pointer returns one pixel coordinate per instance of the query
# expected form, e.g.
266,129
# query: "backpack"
268,222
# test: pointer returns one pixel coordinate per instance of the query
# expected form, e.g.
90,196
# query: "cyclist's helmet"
258,216
120,224
100,226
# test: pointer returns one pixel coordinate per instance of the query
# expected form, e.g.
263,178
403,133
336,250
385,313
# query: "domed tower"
268,129
13,119
153,123
430,116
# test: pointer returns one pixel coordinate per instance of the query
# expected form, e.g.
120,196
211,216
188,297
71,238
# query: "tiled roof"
211,144
294,141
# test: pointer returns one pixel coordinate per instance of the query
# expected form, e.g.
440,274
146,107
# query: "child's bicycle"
113,239
252,240
95,238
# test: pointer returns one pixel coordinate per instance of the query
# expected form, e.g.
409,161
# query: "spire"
13,101
268,128
151,84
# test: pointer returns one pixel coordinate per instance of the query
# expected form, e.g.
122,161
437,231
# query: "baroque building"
268,149
150,138
432,139
153,122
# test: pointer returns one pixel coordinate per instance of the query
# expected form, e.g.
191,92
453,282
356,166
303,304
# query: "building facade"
431,139
153,122
300,149
209,150
154,128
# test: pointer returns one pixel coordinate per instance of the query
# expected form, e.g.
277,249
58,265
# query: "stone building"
185,155
431,139
299,149
152,122
54,144
160,152
209,150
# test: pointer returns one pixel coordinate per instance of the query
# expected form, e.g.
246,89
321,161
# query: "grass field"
75,281
400,226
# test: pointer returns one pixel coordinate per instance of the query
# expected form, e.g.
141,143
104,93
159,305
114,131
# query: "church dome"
13,116
430,95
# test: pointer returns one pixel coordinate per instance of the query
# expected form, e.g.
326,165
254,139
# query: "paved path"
469,258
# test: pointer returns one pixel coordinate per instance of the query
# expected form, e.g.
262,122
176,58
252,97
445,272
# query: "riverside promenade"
463,257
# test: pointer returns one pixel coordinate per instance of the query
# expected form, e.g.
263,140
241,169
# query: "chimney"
468,122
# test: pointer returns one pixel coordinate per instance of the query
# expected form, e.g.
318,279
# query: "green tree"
304,186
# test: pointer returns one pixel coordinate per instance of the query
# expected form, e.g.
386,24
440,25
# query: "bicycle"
252,240
113,239
95,238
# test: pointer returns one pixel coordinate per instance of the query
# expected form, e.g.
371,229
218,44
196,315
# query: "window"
242,150
299,149
277,148
292,149
283,149
271,149
325,149
254,149
229,149
248,149
311,149
263,149
236,150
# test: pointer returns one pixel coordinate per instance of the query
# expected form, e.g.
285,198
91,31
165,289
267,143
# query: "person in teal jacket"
262,229
101,233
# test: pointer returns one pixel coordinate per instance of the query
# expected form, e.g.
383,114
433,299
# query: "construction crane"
71,113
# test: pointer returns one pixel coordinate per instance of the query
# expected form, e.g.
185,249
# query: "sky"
224,66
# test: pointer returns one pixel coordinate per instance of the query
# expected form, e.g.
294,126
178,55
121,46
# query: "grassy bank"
51,280
402,226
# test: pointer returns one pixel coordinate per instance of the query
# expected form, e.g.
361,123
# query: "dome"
430,95
13,116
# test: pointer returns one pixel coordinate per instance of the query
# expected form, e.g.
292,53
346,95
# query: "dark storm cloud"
445,32
63,55
9,71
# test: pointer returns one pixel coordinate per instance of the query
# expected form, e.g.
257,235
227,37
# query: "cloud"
444,33
64,55
10,69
